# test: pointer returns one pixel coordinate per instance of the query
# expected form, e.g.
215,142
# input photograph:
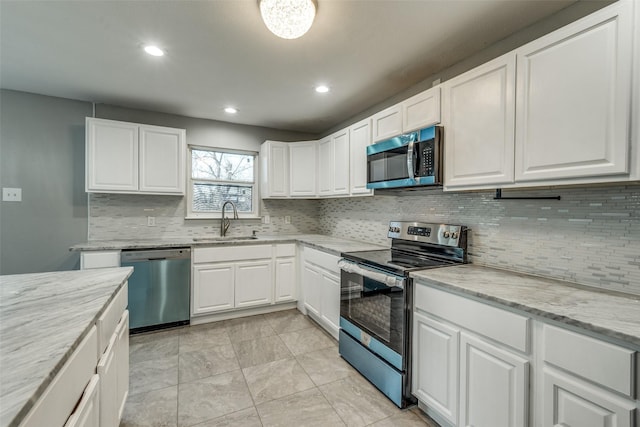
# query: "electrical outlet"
266,219
287,219
151,221
12,194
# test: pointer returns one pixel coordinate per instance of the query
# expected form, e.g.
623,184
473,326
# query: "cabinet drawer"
109,319
598,361
100,259
503,326
285,250
322,259
231,253
60,398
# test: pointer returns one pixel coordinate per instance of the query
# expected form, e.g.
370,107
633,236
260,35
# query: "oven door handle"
377,275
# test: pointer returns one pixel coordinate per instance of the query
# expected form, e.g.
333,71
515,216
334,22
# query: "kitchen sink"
223,239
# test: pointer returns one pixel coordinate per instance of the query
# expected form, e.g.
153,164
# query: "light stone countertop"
330,244
612,314
43,318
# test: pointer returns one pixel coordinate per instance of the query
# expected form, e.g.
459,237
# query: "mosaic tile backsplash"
590,236
124,216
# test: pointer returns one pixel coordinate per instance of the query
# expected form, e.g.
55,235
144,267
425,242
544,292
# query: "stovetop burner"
416,246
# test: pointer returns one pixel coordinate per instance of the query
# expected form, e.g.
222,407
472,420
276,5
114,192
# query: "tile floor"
277,369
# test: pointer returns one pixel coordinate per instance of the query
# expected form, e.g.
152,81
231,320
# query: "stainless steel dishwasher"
159,287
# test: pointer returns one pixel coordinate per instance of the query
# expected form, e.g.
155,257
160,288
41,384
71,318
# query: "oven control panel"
439,234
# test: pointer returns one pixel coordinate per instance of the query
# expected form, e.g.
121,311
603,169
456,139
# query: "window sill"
217,217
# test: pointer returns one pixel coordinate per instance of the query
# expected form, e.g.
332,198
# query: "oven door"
374,301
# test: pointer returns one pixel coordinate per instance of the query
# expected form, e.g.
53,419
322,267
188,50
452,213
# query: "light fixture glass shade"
288,19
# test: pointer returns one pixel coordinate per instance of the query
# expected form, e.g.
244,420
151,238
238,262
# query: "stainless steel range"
376,301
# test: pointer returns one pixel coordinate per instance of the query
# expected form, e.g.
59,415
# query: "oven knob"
446,234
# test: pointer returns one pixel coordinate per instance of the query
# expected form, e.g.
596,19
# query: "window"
218,176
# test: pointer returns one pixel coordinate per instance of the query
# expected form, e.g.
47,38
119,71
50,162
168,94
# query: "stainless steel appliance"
376,301
412,159
159,288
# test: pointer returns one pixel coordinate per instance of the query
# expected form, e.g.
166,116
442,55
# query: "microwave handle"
410,167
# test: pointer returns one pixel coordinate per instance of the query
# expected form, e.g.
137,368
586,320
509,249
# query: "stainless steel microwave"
412,159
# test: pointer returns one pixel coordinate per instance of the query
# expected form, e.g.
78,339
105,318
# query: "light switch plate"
11,194
287,219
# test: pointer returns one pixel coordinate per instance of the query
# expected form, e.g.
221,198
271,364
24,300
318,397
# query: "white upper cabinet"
162,153
333,164
303,169
422,110
387,123
573,99
126,157
274,169
478,119
112,156
359,139
325,166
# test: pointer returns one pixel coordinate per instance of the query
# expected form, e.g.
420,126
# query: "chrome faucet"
226,222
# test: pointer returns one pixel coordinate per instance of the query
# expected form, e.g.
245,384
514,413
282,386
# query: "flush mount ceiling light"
230,110
288,19
322,89
153,50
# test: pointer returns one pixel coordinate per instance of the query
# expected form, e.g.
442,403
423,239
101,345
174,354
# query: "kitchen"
589,236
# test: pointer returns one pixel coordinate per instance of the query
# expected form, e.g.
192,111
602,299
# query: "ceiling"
219,53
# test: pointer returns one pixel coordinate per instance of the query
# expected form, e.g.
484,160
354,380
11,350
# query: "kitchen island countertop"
43,318
334,245
612,314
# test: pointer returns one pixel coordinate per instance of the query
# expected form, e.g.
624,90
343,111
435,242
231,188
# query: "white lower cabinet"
435,369
570,402
494,385
253,285
321,288
113,369
213,288
99,259
237,277
475,364
87,413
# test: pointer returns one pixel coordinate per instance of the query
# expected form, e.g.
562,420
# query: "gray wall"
42,152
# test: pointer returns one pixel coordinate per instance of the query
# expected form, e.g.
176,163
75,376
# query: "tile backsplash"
124,217
590,236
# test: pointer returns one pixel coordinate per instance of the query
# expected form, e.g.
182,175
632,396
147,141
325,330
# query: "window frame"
255,194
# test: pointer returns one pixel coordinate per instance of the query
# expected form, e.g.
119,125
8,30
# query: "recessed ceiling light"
322,89
153,50
230,110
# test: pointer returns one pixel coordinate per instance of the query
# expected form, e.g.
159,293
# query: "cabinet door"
330,302
422,110
569,402
387,123
285,279
87,413
253,284
359,139
435,365
311,288
213,286
302,164
340,142
326,167
122,361
162,154
494,385
99,259
573,99
274,169
478,120
111,156
108,370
